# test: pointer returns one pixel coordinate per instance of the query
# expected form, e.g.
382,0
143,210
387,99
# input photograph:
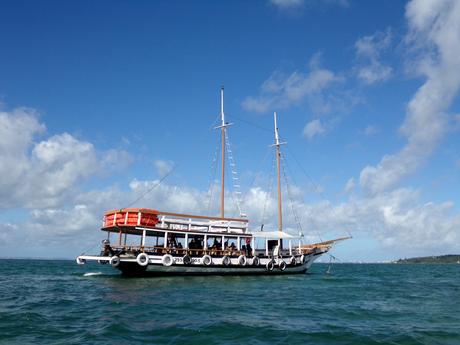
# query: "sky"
100,100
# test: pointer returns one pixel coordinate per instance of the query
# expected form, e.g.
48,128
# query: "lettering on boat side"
181,260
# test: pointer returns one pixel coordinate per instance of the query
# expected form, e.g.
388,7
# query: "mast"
222,128
278,168
278,158
222,131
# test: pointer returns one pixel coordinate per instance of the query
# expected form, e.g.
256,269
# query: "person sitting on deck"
108,251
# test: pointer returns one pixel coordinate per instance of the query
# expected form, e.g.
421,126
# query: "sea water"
58,302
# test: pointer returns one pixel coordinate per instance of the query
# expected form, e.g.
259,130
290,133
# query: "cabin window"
195,241
246,245
176,240
272,244
230,243
214,242
159,239
154,239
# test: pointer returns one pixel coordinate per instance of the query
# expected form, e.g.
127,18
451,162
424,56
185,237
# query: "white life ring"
226,261
242,260
270,266
282,265
142,259
80,261
114,261
206,260
293,261
167,260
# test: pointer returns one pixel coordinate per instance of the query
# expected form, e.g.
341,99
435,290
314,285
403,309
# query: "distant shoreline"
441,259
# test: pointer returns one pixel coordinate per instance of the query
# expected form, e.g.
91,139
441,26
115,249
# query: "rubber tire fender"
206,260
282,265
142,259
187,260
255,261
114,261
167,260
226,261
269,266
242,260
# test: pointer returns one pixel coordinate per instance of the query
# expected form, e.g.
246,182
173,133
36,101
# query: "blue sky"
100,99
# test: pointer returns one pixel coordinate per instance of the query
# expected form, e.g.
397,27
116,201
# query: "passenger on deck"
107,251
216,244
249,249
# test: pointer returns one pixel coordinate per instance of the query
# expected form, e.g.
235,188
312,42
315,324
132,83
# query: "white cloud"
285,90
369,50
76,221
115,159
41,174
163,167
434,31
398,220
350,185
313,128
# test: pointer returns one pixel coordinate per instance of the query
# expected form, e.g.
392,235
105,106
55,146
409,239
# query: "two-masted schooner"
184,244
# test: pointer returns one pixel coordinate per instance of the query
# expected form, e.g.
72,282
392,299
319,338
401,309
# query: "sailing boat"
184,244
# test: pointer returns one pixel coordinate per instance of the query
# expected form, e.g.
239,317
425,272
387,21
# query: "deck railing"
160,250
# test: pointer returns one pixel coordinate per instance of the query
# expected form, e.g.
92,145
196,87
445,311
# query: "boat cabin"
157,233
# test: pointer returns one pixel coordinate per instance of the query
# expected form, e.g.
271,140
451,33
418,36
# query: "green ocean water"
58,302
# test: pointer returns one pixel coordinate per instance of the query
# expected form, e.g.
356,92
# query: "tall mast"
222,128
278,166
222,131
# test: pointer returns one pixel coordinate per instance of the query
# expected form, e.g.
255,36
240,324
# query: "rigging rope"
153,187
291,202
296,217
234,172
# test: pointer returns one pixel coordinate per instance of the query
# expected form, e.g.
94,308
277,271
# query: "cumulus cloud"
163,167
435,35
398,220
282,90
368,51
350,185
41,174
313,128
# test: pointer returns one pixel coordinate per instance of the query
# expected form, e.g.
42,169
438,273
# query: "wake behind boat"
153,242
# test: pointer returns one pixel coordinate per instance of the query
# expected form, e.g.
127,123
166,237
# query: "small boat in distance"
153,242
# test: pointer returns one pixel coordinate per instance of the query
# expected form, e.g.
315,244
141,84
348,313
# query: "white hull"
155,266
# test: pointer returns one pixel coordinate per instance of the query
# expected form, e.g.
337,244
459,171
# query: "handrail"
183,251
